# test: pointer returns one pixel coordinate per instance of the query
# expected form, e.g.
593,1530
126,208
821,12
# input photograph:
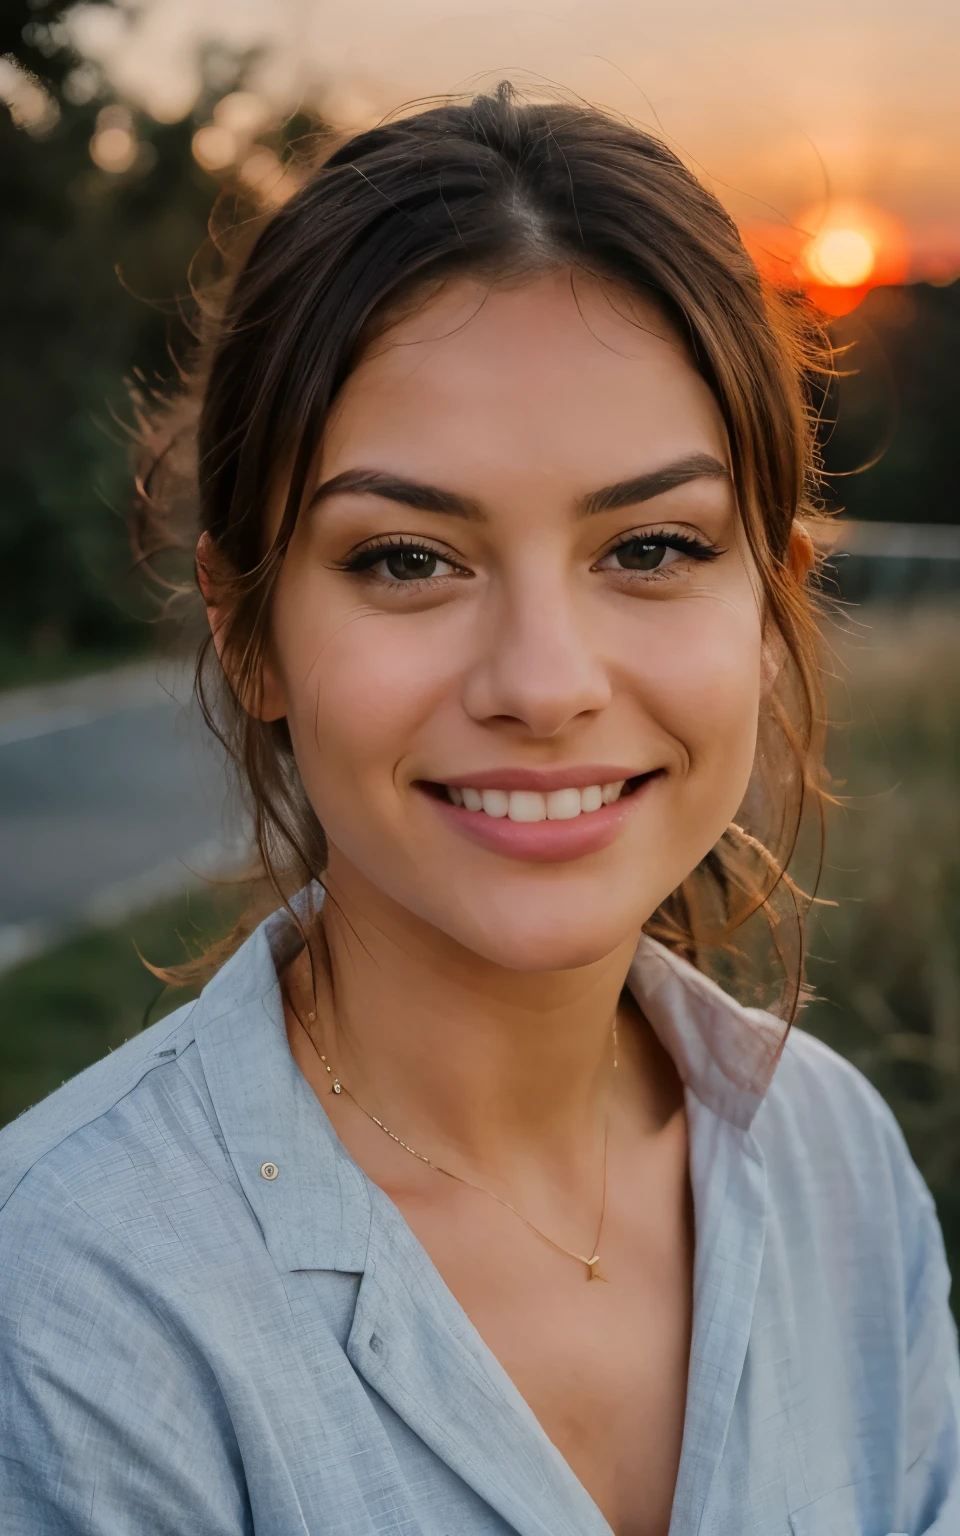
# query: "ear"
213,579
801,554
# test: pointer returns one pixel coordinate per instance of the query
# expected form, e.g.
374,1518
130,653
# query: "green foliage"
90,266
65,1010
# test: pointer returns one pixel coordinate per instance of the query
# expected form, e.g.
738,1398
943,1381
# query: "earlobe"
801,554
209,562
212,580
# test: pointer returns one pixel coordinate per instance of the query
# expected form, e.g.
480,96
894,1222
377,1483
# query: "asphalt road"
112,795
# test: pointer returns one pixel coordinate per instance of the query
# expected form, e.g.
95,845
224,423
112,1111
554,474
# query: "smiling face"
517,633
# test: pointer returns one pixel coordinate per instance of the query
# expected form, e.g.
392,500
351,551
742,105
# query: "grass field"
64,1010
885,961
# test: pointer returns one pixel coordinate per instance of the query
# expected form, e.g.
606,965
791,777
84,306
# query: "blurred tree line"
92,264
891,442
91,267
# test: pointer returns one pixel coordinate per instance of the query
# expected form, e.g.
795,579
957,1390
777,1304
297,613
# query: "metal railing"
896,562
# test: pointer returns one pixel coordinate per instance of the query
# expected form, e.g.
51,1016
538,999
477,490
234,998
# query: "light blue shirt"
190,1347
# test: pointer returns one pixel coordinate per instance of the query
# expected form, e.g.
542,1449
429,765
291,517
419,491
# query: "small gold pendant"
593,1272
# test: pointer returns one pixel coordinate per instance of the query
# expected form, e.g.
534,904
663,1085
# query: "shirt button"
268,1170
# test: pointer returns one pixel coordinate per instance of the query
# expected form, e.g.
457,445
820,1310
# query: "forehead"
560,370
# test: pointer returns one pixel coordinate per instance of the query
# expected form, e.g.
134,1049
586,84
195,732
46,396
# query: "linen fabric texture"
188,1346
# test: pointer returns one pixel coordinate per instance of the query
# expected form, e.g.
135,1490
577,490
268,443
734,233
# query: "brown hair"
496,186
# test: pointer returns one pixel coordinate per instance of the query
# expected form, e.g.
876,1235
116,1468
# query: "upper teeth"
531,805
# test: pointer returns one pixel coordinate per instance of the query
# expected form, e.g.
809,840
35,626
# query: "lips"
537,822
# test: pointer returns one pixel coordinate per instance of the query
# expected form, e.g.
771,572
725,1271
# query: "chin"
539,942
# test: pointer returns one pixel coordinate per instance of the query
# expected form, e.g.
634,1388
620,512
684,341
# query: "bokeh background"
832,136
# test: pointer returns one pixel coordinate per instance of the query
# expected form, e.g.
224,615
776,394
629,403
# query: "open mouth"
531,805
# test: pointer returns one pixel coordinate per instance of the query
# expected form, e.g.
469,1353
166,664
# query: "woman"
463,1201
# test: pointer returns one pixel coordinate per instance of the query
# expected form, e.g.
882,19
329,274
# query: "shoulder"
150,1094
89,1100
841,1173
818,1097
150,1160
95,1175
115,1214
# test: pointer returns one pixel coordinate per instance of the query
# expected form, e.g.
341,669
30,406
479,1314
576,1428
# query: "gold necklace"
593,1272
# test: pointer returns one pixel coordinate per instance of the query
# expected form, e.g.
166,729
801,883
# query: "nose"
537,668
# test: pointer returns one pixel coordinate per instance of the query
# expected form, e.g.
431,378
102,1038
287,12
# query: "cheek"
359,686
702,677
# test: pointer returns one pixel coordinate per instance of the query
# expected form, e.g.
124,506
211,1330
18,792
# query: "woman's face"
520,583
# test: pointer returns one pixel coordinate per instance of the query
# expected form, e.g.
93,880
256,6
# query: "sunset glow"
835,252
758,100
849,247
844,257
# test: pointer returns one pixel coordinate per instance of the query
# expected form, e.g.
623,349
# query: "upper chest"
601,1363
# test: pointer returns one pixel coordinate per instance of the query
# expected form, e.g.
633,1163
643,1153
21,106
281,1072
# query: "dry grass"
886,960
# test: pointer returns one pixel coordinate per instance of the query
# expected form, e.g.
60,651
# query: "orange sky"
781,109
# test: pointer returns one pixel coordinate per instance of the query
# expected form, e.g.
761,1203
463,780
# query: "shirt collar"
726,1054
315,1212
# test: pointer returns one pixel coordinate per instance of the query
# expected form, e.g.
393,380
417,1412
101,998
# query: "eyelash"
362,562
683,543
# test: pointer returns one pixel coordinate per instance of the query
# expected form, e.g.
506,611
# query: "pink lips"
543,779
542,842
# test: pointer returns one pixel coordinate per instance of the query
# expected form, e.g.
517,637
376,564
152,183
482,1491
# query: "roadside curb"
113,904
37,711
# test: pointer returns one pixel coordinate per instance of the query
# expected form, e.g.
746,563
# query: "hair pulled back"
498,187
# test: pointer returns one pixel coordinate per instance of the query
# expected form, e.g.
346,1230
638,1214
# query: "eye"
640,554
400,561
409,563
651,552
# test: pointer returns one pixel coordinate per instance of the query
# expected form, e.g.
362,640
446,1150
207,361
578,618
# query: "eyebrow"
431,498
656,482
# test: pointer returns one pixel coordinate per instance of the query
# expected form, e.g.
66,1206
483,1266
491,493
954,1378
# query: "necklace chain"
338,1087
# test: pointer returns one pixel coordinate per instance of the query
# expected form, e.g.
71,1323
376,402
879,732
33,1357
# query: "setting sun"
849,247
842,256
835,252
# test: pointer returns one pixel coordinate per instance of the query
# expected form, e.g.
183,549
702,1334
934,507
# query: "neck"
462,1057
